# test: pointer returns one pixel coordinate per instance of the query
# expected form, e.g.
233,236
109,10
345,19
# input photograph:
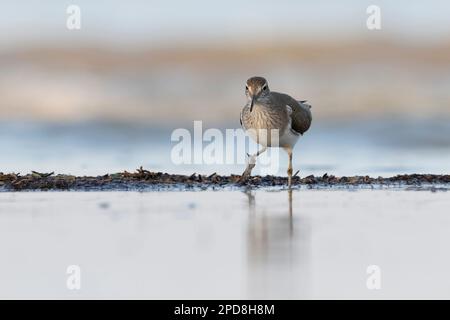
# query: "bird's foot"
251,163
246,174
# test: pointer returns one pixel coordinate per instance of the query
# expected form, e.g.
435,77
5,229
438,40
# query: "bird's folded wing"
301,116
301,113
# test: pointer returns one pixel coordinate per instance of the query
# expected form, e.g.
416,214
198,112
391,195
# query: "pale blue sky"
151,22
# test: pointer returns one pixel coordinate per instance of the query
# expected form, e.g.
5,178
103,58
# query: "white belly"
265,138
260,136
289,139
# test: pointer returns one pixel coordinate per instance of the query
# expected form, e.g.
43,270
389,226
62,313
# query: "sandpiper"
265,111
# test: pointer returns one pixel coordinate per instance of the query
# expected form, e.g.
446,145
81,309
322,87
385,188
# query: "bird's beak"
252,103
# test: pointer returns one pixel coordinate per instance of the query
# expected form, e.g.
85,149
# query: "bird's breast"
262,117
265,123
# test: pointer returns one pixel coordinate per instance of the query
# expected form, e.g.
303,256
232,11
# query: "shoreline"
144,180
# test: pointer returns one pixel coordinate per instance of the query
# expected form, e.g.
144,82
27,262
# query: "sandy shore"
158,85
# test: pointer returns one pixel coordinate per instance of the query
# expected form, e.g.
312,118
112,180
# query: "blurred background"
106,98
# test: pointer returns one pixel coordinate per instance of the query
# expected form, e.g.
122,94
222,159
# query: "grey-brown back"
301,112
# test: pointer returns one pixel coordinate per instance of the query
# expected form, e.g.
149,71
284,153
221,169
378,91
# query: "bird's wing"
301,117
301,112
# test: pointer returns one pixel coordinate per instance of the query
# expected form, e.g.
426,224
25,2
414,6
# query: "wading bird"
266,111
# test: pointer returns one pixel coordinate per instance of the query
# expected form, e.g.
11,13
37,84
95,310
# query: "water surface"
226,244
374,147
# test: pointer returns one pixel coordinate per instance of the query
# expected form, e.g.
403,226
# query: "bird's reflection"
277,248
291,224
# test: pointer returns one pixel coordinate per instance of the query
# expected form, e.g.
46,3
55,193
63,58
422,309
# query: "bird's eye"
246,88
264,88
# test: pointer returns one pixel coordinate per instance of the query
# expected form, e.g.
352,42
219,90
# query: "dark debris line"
146,180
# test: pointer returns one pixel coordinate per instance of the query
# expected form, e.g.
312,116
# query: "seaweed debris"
143,179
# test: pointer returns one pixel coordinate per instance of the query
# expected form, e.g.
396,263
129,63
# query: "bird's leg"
289,170
251,164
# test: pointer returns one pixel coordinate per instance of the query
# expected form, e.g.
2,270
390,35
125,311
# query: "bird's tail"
304,104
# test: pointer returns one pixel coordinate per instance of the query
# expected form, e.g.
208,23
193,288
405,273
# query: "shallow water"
370,147
226,244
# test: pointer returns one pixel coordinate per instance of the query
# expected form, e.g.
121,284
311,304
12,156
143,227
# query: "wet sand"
225,244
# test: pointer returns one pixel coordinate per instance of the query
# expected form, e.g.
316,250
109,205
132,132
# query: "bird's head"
256,89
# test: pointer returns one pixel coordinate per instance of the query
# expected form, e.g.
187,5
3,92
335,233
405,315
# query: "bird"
267,110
